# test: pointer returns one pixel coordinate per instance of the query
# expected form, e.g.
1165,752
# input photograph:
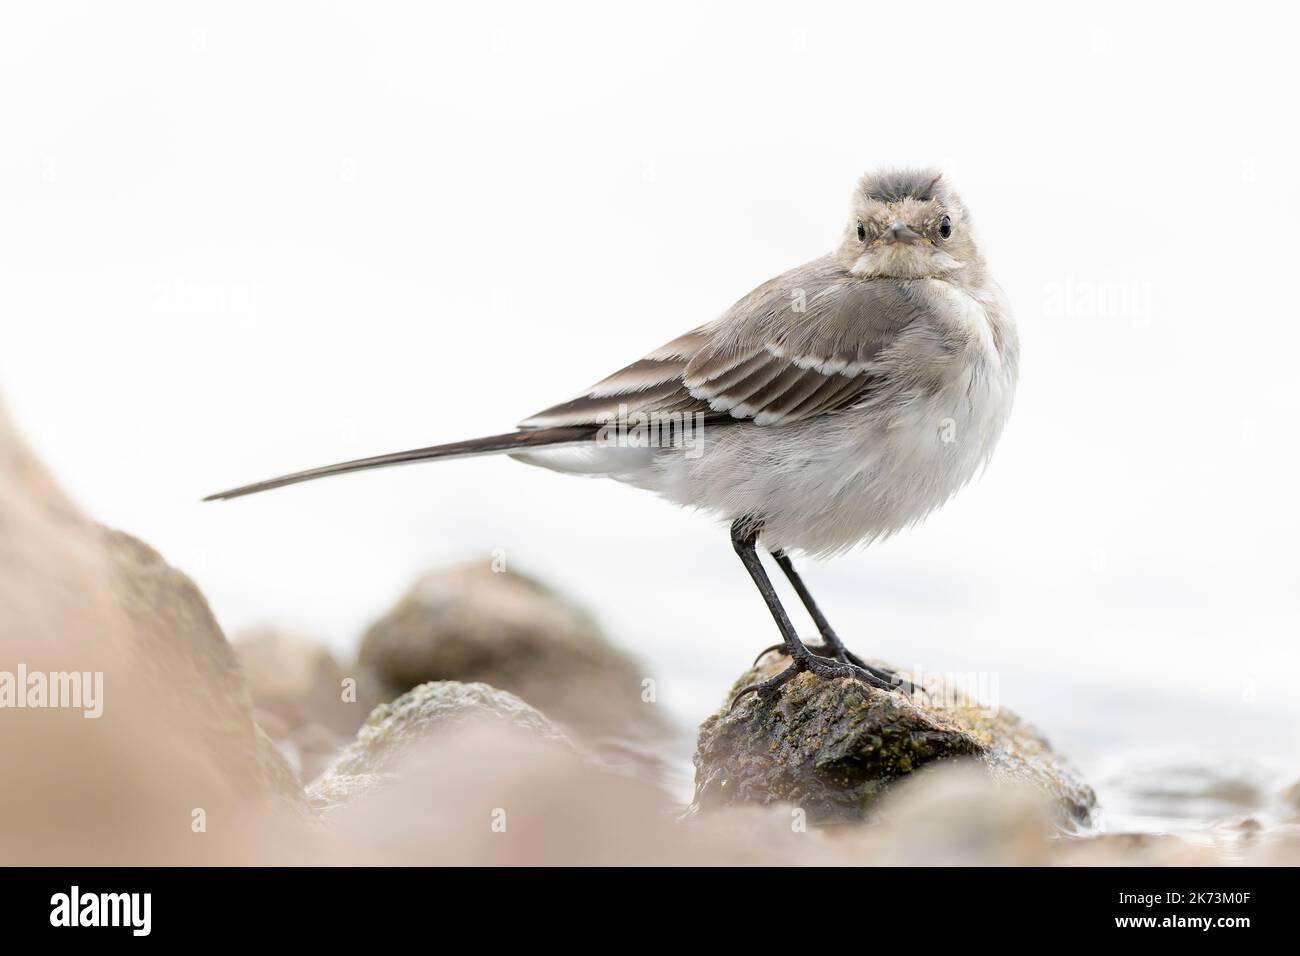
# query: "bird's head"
907,224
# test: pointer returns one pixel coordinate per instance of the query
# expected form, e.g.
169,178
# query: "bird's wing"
802,344
653,383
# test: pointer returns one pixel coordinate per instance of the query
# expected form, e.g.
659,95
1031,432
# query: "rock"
173,754
179,647
54,584
493,793
1290,803
313,748
393,730
302,696
505,629
834,747
1277,846
271,773
295,678
951,813
437,705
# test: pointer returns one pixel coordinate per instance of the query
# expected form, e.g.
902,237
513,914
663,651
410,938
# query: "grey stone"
470,623
834,747
394,729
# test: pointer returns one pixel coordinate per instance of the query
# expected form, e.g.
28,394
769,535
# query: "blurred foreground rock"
462,774
180,650
505,629
393,730
296,679
952,813
172,768
303,697
834,747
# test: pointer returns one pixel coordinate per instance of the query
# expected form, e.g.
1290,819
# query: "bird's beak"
899,232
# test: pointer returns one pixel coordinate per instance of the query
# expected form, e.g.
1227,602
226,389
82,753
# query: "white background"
248,238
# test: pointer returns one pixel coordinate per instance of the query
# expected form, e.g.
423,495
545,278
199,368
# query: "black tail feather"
493,444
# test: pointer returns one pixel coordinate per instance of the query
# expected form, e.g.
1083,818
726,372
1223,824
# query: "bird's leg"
832,642
831,639
832,646
744,537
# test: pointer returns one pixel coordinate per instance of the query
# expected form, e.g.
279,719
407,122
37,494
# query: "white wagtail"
835,404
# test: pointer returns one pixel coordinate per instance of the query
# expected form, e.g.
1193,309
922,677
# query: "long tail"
493,444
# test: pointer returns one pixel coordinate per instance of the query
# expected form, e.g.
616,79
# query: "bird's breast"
980,322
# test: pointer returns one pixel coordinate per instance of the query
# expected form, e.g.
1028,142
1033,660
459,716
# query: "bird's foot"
766,687
821,650
835,650
804,659
895,681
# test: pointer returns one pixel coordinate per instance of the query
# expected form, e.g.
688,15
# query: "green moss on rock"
832,747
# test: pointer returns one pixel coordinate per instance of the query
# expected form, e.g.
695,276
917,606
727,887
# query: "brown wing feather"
799,345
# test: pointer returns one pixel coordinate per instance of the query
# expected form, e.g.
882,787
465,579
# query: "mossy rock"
832,747
394,729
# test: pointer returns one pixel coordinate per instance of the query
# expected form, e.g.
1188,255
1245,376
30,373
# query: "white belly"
824,486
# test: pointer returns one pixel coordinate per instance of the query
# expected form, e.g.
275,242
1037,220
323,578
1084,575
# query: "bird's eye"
945,227
862,233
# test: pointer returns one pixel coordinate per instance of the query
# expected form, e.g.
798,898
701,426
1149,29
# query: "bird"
834,405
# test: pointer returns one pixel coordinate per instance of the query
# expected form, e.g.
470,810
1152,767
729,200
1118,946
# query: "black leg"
832,641
744,537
